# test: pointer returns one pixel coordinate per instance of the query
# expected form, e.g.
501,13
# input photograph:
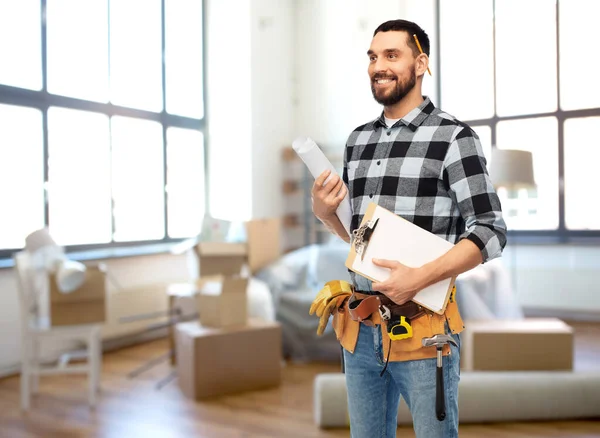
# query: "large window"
522,75
101,121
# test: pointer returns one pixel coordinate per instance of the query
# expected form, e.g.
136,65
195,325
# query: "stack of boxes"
225,351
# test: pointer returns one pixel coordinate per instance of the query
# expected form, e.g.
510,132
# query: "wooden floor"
131,408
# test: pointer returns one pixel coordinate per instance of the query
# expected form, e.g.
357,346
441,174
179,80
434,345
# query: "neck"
408,103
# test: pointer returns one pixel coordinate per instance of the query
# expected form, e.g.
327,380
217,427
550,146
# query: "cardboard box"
85,305
531,344
223,302
221,258
264,242
213,362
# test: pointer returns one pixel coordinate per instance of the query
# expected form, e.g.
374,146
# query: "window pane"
79,177
77,36
20,44
136,54
579,70
582,154
525,56
531,211
185,182
137,176
21,174
485,136
467,87
183,55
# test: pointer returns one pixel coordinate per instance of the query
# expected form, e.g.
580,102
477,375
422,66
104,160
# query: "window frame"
562,234
43,100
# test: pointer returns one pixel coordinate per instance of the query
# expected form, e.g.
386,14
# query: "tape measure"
399,329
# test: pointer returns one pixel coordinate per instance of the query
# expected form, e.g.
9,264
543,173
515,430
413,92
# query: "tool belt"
361,309
397,317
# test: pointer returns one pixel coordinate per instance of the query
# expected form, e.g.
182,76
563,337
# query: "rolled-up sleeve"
466,175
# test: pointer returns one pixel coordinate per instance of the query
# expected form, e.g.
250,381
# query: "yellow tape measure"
399,330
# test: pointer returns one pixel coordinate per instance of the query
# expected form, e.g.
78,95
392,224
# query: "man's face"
391,67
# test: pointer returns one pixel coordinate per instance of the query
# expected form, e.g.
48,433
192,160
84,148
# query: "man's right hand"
326,198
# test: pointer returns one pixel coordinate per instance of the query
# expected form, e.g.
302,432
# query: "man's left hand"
402,285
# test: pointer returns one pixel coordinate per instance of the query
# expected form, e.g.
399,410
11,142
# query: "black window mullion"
205,103
561,130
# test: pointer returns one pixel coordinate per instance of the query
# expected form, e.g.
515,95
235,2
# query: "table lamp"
46,254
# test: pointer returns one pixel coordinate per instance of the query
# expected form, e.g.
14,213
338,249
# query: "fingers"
390,264
379,286
324,189
342,194
336,189
321,178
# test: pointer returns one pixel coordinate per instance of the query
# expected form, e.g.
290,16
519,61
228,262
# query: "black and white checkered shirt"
430,169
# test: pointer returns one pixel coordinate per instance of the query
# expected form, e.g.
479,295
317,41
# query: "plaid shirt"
430,169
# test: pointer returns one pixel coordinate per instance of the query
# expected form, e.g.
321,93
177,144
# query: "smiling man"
428,167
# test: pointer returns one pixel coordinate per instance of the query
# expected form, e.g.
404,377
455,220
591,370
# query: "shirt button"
371,195
378,162
389,133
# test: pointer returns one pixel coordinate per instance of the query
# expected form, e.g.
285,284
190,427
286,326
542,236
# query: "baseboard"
9,371
566,314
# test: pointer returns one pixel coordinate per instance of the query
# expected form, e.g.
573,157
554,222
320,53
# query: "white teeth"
383,81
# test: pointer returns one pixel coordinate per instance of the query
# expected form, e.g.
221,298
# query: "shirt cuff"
486,240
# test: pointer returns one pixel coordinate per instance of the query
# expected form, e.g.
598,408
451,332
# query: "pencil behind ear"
421,50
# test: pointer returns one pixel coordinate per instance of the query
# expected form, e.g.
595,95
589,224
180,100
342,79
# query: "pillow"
288,272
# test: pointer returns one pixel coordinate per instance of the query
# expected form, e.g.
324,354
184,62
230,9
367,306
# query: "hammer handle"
440,406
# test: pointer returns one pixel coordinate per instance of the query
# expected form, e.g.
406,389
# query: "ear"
421,64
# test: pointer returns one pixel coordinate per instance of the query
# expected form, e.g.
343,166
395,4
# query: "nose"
379,66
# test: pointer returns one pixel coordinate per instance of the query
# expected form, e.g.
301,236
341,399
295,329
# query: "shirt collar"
413,119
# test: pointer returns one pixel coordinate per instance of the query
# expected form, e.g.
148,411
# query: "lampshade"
39,239
43,250
512,169
70,275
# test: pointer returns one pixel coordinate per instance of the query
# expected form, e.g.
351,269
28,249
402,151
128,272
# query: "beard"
396,94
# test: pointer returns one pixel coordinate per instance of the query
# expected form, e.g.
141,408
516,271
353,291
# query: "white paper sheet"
317,163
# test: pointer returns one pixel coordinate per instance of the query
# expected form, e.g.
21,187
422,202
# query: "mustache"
378,76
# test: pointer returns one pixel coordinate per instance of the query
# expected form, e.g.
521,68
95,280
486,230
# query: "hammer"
439,341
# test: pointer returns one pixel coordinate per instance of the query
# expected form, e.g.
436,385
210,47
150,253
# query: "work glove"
330,298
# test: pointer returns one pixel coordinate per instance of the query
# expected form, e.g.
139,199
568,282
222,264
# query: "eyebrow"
386,51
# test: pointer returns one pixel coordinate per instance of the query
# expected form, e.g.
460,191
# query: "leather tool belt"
361,309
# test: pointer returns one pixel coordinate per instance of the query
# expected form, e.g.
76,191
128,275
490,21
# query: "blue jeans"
373,400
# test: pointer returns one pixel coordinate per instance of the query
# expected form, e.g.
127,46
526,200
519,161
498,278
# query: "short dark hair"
410,28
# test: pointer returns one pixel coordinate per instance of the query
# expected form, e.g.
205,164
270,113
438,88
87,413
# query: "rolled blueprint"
318,163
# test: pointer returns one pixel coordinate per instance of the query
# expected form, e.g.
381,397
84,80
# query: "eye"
372,58
392,56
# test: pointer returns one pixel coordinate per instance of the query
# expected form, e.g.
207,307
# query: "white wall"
272,84
332,39
250,104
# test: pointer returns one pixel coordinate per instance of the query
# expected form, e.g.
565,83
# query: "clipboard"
385,235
